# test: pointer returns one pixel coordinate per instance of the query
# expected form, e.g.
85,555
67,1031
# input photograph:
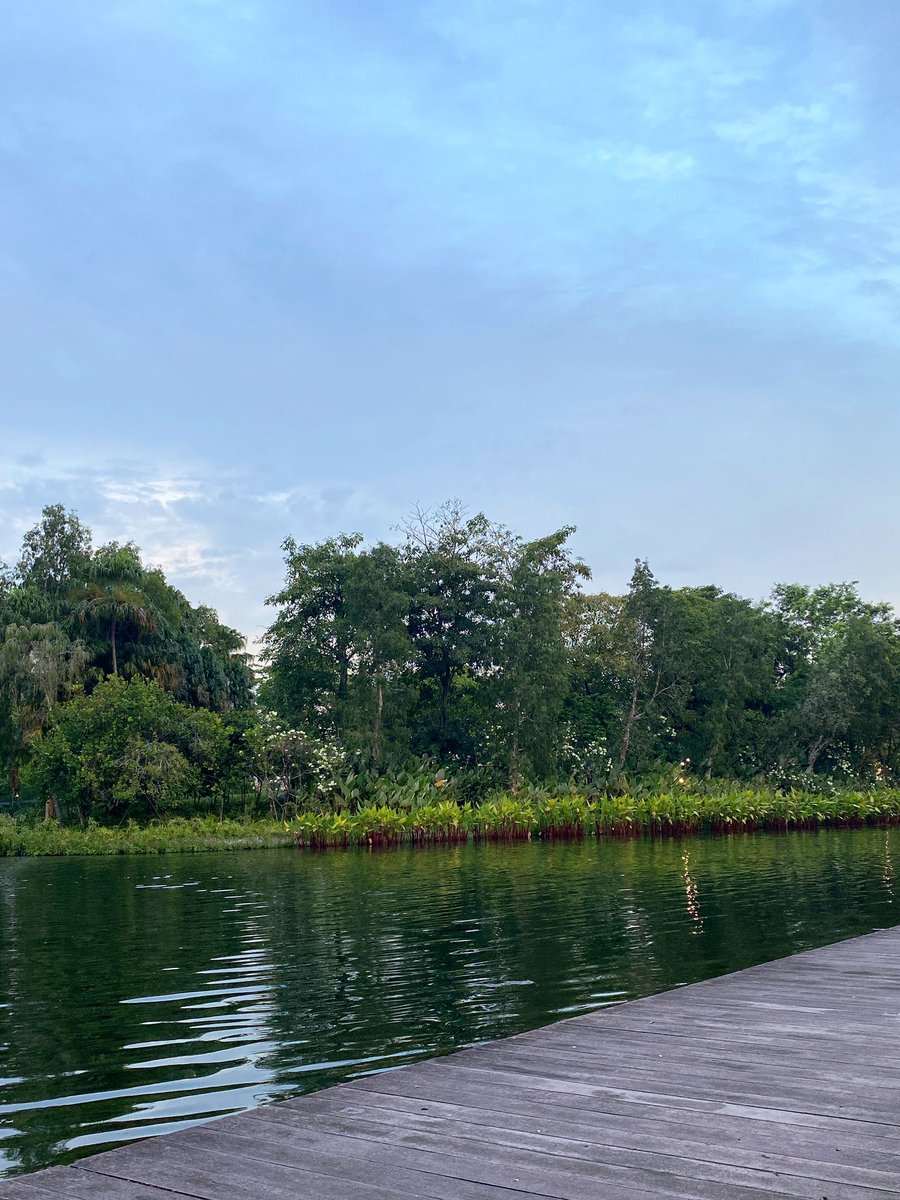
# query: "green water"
138,995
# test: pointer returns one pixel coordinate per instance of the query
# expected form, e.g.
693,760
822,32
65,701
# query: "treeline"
460,656
473,648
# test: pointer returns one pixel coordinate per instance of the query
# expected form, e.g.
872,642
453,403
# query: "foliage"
21,836
682,811
455,661
111,595
69,615
540,814
129,750
55,552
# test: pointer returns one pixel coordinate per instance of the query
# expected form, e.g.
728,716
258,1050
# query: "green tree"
597,672
129,749
55,552
113,595
531,679
732,682
654,659
452,564
311,645
836,672
39,666
377,609
338,647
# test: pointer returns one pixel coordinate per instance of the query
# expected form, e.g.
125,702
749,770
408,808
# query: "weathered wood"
779,1081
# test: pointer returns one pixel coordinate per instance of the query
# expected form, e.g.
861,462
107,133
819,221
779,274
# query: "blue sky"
275,267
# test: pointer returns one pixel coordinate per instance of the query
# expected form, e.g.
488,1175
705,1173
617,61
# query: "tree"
453,573
597,672
837,671
312,642
55,552
377,608
531,679
189,651
129,750
339,645
849,707
732,683
651,675
39,665
112,594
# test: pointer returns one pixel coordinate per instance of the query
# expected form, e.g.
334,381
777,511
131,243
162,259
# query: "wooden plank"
665,1173
77,1184
778,1081
328,1166
439,1166
726,1137
600,1146
588,1100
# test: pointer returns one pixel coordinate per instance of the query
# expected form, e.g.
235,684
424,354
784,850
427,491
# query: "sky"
290,267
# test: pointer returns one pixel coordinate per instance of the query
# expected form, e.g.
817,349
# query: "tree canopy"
459,651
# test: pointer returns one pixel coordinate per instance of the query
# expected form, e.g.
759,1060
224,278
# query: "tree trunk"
626,732
343,664
814,755
379,709
716,748
112,642
515,747
514,761
444,715
14,786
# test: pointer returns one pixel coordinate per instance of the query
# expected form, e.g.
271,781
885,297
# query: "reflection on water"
141,995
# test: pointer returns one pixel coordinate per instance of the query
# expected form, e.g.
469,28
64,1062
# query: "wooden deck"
782,1080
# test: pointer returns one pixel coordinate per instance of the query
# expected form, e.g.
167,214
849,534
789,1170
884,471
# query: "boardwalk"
782,1080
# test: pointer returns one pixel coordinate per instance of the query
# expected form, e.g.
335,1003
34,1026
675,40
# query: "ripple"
299,971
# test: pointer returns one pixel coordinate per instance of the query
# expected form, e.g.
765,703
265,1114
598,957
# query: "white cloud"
213,533
799,127
148,492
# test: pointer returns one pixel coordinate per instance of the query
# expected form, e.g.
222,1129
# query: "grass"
501,818
20,836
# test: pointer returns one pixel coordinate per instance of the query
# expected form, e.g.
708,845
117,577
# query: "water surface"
138,995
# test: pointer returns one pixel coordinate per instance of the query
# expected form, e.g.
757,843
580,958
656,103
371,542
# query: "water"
139,995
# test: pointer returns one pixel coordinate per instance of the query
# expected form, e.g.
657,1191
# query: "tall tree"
55,552
377,607
597,674
454,580
731,683
530,683
312,643
112,594
39,665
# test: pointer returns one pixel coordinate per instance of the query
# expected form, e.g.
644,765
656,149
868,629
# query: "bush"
129,750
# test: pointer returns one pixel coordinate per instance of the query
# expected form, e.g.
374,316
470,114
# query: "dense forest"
457,656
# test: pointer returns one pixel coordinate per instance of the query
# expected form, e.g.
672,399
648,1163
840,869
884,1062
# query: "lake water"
138,995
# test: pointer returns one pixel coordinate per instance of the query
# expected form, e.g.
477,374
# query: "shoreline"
504,819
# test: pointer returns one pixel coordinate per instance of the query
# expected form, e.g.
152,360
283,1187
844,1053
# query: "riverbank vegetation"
528,815
510,818
457,681
24,836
